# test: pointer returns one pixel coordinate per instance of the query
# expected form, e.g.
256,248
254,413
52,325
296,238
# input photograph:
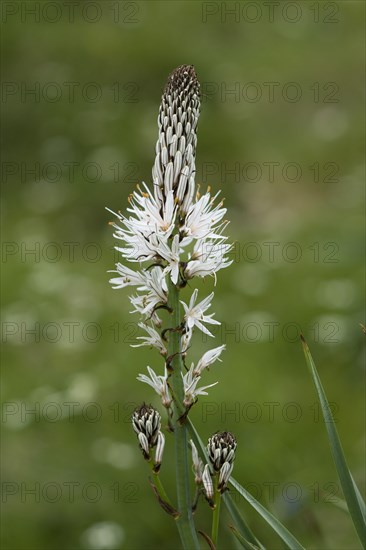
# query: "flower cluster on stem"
172,234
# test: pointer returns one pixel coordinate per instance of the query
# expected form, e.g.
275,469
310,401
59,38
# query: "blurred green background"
281,133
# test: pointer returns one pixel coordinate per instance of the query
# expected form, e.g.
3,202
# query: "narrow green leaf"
244,543
341,503
241,525
360,499
290,541
352,495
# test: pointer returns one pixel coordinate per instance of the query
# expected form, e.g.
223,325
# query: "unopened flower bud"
174,167
159,451
146,422
207,484
225,473
221,451
197,464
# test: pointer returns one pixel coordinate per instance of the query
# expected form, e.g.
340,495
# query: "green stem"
185,522
216,514
160,487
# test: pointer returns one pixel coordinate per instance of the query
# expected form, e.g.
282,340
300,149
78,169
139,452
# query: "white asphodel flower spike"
172,227
169,234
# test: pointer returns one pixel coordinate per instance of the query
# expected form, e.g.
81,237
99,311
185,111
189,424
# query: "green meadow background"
282,135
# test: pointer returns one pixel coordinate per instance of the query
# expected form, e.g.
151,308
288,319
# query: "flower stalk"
185,522
216,514
174,234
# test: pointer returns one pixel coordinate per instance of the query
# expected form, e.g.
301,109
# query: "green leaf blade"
241,526
355,503
243,542
290,541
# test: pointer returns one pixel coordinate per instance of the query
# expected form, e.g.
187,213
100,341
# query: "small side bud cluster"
221,451
146,422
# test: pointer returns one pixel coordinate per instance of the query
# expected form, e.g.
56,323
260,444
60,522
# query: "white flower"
208,257
207,359
194,314
191,392
154,339
159,384
145,308
201,218
148,213
161,219
138,247
147,231
154,282
171,255
128,277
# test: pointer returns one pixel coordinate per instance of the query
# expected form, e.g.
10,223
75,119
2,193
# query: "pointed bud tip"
143,409
180,76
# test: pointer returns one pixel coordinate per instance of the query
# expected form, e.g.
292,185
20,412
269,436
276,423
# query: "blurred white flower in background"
105,535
